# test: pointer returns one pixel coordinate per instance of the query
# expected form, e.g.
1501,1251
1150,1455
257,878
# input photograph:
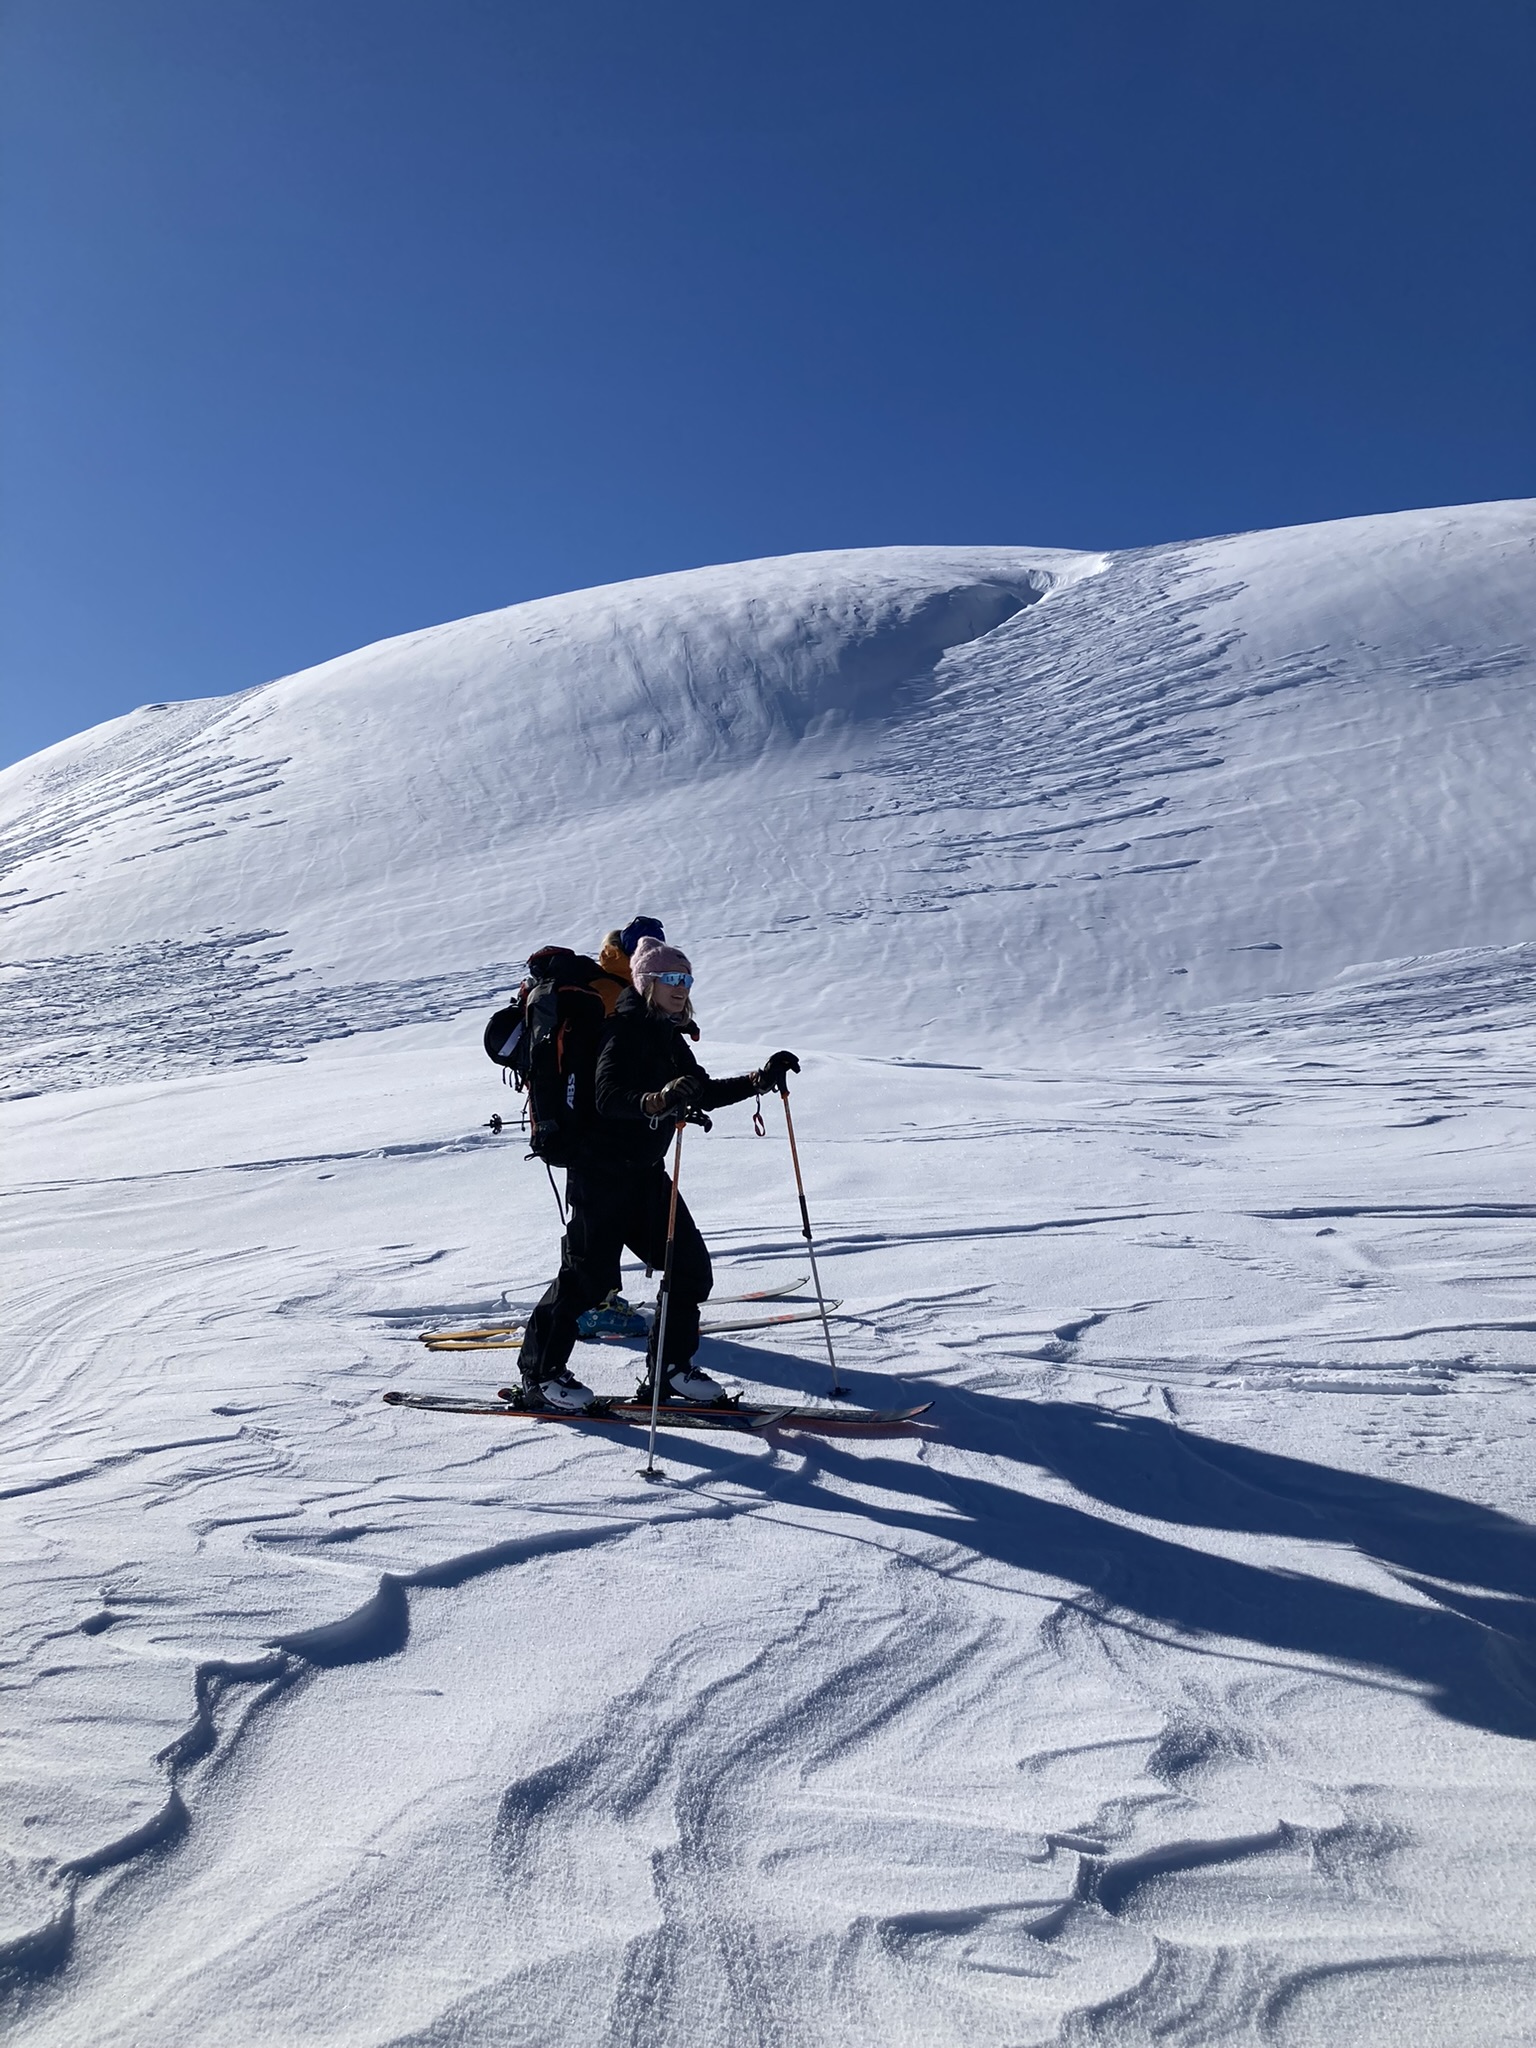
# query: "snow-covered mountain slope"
404,817
1010,789
1158,932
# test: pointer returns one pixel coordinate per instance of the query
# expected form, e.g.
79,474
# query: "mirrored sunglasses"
675,980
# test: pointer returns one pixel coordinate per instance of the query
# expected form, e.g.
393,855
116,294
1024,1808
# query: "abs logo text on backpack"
548,1039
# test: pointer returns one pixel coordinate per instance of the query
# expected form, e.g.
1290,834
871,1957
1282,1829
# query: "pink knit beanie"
651,957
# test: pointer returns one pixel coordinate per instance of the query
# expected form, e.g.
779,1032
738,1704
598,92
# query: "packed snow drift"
1157,934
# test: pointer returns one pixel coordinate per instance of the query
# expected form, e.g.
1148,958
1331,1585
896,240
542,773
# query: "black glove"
676,1099
770,1077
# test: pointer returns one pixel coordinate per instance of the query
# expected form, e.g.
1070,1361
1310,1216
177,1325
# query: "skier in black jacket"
618,1193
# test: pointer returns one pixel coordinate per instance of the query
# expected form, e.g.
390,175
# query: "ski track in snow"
1178,1683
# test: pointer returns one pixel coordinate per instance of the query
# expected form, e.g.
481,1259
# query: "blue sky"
328,319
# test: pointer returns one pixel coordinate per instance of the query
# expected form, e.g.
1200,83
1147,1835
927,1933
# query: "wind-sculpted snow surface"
1157,929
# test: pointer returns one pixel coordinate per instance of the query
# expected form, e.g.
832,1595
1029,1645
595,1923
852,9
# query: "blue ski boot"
613,1317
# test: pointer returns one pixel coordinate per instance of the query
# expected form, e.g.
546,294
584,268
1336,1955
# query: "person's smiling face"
670,996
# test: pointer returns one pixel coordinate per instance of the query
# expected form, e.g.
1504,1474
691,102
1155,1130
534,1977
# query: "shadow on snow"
1472,1653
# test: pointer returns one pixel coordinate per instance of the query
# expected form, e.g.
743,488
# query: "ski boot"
559,1391
612,1317
687,1383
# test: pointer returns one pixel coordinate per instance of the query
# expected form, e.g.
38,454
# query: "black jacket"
642,1051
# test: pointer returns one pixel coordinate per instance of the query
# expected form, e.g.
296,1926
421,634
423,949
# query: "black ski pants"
605,1211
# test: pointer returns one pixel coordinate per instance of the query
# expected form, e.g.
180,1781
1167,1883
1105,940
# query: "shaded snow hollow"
1158,931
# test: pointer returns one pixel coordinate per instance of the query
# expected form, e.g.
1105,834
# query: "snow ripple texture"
1157,932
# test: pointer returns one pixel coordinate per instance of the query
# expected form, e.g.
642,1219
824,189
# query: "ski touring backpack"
547,1040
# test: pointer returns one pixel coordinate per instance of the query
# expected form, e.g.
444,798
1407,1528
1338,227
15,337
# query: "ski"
697,1415
788,1315
744,1418
509,1330
761,1293
511,1339
508,1338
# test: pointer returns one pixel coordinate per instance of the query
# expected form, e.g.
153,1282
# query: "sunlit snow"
1157,931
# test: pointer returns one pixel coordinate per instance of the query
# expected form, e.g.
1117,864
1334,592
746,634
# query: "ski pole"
663,1301
805,1226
